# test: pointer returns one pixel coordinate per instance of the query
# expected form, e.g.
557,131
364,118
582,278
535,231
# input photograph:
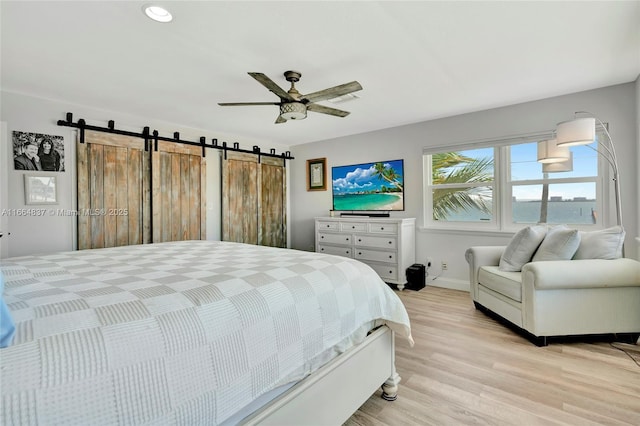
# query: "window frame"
428,193
502,185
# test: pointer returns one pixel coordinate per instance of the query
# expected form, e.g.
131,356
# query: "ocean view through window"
502,186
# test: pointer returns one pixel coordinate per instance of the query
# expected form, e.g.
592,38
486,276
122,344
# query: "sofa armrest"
478,256
586,273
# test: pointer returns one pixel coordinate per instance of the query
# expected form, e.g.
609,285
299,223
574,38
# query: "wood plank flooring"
467,368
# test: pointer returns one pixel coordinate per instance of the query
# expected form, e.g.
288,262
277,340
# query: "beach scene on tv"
368,186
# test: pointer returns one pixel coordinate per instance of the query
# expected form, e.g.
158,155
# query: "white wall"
615,105
53,232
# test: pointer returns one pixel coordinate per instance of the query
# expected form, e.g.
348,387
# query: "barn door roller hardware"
82,126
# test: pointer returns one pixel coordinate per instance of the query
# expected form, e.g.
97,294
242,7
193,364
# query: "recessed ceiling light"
157,13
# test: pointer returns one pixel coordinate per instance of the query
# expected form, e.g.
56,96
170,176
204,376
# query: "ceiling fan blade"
280,120
333,92
327,110
247,103
271,85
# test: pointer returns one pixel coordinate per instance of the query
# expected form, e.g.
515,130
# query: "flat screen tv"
368,186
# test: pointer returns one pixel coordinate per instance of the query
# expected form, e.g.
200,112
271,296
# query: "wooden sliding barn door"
120,192
113,196
179,198
253,200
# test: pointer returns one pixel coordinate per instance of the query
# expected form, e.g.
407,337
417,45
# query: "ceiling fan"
293,104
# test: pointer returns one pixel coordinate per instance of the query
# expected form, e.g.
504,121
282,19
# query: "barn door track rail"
149,137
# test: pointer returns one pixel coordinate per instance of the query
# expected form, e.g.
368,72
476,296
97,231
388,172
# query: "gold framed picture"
317,174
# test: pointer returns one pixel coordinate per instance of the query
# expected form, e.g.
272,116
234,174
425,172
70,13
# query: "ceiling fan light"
580,131
293,111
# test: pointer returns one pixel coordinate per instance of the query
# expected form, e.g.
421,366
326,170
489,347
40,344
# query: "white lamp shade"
293,111
581,131
560,166
550,152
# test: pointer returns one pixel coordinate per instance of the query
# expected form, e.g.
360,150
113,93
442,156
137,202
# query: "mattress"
184,332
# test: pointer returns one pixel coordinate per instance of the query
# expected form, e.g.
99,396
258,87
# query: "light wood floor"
467,368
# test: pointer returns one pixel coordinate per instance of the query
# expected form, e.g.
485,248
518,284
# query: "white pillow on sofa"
521,248
560,243
602,244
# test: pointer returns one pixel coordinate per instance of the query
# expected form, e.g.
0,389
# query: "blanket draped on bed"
176,333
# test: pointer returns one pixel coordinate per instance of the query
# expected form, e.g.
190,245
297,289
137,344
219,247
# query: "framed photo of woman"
317,174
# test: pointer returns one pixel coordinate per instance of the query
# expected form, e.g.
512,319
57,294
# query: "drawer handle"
390,242
359,253
347,239
391,272
382,228
322,249
390,257
359,240
321,237
347,251
353,227
328,226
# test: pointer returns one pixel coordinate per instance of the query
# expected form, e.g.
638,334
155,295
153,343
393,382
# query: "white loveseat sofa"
558,297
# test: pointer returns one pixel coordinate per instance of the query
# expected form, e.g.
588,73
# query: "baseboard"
450,283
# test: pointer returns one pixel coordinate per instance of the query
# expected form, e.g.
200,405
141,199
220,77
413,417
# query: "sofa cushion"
521,248
508,284
560,243
602,244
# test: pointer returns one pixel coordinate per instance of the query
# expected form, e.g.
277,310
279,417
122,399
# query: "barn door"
253,200
113,195
120,192
179,200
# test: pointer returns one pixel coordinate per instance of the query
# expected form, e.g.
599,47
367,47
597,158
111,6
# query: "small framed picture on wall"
40,189
317,174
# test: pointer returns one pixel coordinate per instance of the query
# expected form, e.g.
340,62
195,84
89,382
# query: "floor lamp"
582,131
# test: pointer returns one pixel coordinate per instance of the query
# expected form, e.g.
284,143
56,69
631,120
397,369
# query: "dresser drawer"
353,227
383,228
386,244
375,241
386,272
326,237
375,255
331,226
338,251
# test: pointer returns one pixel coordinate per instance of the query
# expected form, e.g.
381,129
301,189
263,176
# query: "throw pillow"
560,243
521,248
602,244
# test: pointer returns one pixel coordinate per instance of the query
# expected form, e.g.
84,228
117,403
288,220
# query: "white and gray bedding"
176,333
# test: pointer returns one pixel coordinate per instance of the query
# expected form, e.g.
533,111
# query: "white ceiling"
416,61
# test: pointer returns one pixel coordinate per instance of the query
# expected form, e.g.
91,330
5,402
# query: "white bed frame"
333,393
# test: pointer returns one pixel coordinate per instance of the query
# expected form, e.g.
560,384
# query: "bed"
195,332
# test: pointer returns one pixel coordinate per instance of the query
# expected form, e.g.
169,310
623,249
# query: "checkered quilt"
176,333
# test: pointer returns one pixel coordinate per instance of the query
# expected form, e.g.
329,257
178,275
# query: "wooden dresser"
385,244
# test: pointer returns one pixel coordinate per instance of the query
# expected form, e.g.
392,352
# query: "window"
462,185
556,197
502,186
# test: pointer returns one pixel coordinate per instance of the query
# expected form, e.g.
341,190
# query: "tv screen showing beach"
368,186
